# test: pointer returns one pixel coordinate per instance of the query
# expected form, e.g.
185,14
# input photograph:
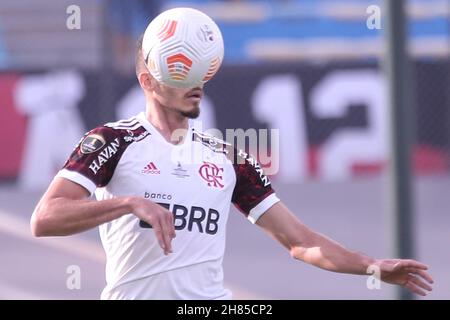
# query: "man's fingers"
421,273
418,282
166,233
414,264
158,233
413,288
171,224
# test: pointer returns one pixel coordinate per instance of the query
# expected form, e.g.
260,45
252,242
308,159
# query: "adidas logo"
151,169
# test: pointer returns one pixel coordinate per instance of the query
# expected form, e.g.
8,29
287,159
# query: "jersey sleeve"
94,159
253,194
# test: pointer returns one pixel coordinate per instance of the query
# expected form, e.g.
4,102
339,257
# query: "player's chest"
159,169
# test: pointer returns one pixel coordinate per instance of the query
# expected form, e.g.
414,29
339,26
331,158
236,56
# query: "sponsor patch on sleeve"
92,143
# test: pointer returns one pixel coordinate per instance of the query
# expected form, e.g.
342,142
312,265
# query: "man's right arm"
65,210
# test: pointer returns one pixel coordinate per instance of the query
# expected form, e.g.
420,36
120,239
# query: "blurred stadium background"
309,68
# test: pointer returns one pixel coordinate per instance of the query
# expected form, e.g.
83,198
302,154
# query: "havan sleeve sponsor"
253,194
95,158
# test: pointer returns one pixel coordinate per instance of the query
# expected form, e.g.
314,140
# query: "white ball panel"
183,45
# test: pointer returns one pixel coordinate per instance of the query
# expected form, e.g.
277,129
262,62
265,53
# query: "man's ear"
146,81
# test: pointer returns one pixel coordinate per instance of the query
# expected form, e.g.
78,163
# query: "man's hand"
159,218
408,273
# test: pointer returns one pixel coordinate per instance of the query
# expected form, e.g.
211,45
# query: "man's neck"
167,122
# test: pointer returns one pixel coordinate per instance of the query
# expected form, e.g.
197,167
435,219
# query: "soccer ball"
183,48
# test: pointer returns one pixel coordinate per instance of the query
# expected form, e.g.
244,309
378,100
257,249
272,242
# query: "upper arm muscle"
63,188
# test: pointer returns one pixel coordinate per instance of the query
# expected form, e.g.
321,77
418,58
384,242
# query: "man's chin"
191,114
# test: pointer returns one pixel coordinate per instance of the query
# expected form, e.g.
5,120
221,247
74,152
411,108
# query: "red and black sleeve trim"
253,193
95,158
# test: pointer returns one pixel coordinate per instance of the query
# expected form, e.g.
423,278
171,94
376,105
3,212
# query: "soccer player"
162,218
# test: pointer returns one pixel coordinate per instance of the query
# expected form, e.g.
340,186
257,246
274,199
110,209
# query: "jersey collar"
151,128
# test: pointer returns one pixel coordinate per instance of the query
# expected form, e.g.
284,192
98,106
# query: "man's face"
184,101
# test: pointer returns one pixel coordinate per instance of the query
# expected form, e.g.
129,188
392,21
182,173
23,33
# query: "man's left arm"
316,249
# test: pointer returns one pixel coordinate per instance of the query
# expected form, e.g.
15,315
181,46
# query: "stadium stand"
36,35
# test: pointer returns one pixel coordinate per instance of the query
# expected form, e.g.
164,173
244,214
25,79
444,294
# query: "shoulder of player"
117,133
131,130
211,142
124,124
234,154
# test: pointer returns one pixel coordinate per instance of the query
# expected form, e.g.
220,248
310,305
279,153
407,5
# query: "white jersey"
196,180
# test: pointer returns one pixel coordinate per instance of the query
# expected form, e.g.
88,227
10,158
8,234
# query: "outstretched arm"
316,249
